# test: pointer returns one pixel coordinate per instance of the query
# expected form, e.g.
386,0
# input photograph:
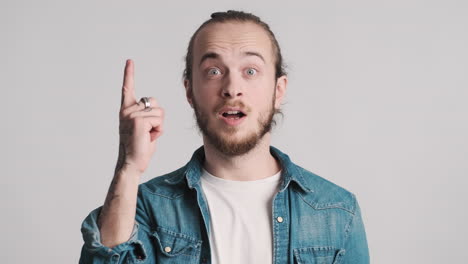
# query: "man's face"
234,92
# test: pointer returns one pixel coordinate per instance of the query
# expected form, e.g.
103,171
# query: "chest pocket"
175,248
318,255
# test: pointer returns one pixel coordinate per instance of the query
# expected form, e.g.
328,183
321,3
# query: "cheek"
208,94
201,87
264,93
204,98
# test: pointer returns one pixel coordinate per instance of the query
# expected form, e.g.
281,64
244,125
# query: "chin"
233,145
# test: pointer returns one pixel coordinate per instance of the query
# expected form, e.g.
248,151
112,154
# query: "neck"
256,164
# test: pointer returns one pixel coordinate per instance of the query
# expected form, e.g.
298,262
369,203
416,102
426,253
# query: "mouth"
232,116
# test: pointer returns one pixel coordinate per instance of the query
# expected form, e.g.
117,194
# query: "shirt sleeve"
356,249
135,249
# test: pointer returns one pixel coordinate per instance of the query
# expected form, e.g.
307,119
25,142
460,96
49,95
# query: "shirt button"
280,219
167,249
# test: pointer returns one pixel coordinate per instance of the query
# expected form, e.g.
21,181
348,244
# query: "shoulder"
318,192
325,194
171,185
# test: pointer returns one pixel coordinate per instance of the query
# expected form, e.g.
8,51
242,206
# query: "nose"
232,88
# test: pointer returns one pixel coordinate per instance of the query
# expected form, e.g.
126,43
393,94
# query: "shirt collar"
290,171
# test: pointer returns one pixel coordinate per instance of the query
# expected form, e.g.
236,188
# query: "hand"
139,127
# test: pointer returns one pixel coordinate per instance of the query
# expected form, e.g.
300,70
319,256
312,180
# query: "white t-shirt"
241,218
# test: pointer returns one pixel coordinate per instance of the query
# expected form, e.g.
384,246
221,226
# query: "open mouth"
233,114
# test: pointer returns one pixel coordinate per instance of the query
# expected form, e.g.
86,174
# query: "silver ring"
146,101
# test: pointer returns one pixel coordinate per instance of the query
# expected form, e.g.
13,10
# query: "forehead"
233,38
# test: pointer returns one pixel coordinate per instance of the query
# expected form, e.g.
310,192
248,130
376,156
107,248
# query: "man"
238,200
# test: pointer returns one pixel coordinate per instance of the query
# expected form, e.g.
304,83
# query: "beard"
227,144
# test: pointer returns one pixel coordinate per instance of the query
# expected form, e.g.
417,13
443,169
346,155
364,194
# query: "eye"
214,71
251,71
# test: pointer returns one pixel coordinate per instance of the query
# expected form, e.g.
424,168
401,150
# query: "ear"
281,85
188,92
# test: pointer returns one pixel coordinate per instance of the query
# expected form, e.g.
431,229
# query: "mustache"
234,104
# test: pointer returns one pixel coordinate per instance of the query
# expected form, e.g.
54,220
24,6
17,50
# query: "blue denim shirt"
314,221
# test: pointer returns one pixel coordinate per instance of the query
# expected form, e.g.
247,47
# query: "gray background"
376,103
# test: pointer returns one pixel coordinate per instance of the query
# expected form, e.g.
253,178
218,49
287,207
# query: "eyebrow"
214,55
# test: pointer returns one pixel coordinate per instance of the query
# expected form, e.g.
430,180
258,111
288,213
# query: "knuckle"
133,115
126,111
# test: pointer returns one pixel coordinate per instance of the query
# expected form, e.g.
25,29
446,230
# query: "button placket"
280,228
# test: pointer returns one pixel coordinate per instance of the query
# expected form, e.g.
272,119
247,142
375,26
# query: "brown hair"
239,16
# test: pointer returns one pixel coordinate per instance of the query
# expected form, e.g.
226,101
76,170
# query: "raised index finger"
128,88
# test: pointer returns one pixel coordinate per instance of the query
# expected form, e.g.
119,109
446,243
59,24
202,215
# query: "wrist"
129,170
